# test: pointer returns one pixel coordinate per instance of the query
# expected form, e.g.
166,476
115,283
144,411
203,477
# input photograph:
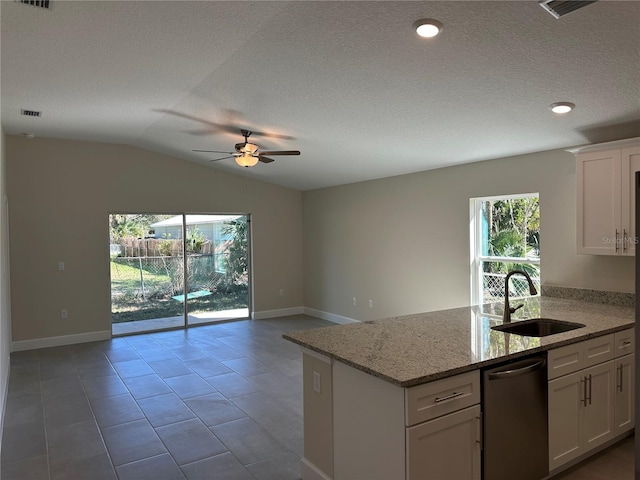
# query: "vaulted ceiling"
359,93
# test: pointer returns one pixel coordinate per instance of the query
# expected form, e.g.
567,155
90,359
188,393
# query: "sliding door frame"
185,281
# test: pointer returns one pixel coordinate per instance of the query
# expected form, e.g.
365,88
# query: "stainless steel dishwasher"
515,439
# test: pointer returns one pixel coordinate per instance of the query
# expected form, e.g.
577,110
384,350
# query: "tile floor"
614,463
221,401
216,402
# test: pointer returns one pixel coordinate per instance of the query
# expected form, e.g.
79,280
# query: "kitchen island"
366,384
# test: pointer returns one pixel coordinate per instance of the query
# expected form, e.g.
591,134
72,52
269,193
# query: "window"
505,235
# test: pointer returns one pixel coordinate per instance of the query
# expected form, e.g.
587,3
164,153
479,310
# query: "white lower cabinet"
589,406
624,396
580,412
385,432
447,448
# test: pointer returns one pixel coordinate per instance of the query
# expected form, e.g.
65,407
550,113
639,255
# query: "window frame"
475,243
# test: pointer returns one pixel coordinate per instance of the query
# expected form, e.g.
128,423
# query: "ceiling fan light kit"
247,160
247,154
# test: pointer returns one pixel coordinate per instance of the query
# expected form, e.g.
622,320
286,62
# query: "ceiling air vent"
31,113
560,8
37,3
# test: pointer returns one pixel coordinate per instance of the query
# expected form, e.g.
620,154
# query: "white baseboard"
332,317
61,340
35,343
282,312
308,471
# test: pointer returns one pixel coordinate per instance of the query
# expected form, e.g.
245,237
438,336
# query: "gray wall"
404,241
5,301
61,193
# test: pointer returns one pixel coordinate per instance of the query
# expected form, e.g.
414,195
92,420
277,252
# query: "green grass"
168,307
125,277
128,304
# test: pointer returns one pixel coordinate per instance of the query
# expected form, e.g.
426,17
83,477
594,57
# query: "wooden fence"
156,247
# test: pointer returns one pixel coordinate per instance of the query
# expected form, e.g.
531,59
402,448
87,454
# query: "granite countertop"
415,349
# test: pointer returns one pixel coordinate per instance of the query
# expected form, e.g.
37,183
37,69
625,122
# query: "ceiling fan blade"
212,151
281,152
217,126
265,159
222,158
272,135
229,128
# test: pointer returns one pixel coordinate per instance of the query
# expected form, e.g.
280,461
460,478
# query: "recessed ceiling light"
562,107
428,27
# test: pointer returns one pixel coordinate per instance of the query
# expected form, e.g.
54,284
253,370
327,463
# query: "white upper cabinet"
606,197
630,158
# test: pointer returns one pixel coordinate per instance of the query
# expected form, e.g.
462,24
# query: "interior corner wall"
5,298
61,193
403,242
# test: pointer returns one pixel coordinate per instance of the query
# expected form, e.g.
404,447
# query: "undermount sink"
537,327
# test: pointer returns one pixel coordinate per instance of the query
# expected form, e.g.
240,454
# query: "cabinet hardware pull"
624,240
479,432
589,389
449,397
626,343
617,245
583,397
620,377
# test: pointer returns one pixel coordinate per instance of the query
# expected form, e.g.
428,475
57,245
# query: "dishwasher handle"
516,372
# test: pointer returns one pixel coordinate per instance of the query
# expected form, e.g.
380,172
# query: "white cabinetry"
587,406
606,197
625,377
382,431
448,445
447,448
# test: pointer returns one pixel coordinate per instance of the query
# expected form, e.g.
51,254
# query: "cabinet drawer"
624,342
446,448
441,397
580,355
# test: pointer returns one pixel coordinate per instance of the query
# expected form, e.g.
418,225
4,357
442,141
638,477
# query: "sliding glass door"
218,268
149,255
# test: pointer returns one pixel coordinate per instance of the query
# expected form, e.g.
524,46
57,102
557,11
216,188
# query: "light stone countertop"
415,349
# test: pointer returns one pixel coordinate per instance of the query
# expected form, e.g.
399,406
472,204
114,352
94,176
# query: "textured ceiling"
362,96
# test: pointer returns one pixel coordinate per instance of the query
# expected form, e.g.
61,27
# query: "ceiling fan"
248,154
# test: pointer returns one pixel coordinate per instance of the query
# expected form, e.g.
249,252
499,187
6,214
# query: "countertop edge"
467,368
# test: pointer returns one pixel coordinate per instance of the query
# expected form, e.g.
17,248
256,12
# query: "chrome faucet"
506,316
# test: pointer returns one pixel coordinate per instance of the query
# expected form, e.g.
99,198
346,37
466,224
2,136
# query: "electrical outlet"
316,382
281,292
60,266
354,301
64,313
370,303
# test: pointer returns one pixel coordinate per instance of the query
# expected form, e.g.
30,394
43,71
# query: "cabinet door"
566,398
624,396
447,448
598,421
599,203
630,158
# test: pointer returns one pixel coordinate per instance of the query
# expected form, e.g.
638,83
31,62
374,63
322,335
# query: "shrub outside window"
505,235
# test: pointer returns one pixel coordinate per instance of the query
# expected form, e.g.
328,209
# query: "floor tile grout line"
44,421
151,424
143,413
245,337
95,419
